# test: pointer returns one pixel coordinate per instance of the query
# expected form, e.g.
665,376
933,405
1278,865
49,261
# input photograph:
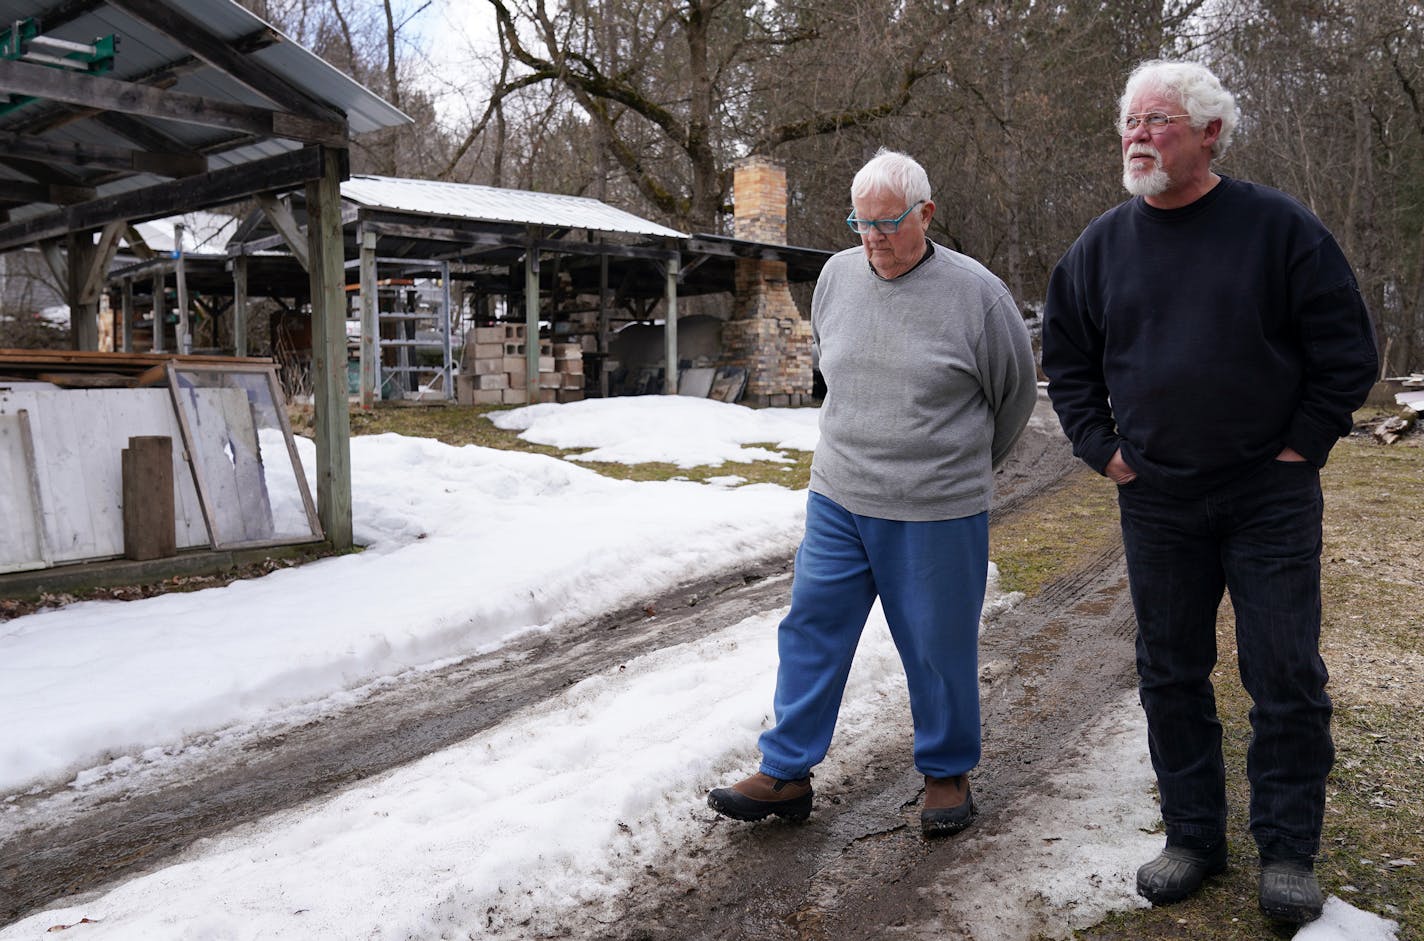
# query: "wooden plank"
68,483
152,376
108,94
99,263
21,544
94,156
293,236
149,524
227,185
78,439
17,191
98,418
93,360
86,380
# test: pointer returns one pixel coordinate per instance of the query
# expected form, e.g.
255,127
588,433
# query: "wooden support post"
83,316
126,312
328,311
239,306
370,322
446,325
670,328
603,324
531,317
160,308
150,520
180,277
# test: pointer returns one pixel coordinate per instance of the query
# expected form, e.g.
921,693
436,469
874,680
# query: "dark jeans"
1260,538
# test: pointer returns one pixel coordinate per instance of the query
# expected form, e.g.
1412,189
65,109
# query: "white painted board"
79,436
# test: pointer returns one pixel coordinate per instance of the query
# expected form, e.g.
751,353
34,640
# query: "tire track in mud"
832,876
859,868
154,817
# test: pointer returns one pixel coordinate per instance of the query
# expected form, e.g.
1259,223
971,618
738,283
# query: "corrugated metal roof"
142,49
204,233
492,204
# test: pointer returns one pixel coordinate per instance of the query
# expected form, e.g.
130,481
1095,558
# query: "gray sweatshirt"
930,380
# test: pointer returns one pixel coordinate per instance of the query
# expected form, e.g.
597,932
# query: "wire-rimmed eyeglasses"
1156,122
884,226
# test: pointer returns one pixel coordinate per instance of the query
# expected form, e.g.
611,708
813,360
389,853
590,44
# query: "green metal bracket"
22,42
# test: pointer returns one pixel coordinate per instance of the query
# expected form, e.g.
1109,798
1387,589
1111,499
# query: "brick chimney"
767,334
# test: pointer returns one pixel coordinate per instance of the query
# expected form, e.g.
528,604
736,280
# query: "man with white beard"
1205,345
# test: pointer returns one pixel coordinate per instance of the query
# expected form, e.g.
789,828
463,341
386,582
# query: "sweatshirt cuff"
1097,452
1309,440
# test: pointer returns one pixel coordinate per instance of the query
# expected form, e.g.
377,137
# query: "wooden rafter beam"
42,116
145,136
107,94
41,172
217,188
280,215
222,55
104,158
17,192
99,264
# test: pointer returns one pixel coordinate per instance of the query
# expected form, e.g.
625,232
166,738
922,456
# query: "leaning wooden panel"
244,461
77,439
21,538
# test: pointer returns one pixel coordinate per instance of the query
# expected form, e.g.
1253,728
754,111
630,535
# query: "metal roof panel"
142,49
492,204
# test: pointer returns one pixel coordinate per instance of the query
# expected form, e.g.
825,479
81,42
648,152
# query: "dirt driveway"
859,865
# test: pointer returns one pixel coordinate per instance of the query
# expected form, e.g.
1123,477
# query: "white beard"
1153,183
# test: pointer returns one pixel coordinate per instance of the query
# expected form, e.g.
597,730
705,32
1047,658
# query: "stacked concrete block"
568,366
496,369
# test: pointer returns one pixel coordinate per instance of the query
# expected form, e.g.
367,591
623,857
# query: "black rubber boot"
1177,872
1290,892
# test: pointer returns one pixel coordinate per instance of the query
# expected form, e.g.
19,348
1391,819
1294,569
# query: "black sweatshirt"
1205,339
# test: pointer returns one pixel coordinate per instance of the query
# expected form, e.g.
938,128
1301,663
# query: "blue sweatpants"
930,577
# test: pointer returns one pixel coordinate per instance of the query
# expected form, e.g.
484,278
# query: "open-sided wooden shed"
118,111
527,248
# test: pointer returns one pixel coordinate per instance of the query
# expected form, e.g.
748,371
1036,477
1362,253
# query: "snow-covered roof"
204,233
493,204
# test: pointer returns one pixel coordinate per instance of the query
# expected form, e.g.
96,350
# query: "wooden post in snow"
327,274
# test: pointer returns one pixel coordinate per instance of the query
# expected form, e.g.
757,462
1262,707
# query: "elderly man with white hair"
1205,345
930,380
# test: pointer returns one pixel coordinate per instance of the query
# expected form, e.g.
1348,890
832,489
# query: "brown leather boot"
760,795
949,805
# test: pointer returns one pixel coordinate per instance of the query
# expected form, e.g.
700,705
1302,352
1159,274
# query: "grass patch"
1068,526
460,425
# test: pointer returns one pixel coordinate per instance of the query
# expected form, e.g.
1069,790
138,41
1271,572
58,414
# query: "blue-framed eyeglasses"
885,226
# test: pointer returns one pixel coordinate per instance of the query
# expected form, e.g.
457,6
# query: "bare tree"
1331,95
